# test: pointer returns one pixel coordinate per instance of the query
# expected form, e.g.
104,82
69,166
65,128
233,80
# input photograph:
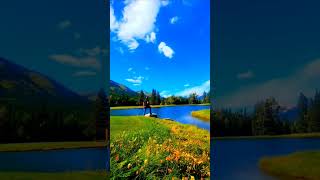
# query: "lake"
180,114
238,159
55,160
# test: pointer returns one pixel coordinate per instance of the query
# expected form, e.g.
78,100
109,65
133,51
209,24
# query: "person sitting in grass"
146,105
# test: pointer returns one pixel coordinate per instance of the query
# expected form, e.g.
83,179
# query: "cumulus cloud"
186,85
147,68
245,75
285,89
130,69
165,94
64,24
166,50
84,74
71,60
137,22
136,80
204,87
151,37
174,20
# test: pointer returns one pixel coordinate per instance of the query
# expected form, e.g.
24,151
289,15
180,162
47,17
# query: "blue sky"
161,44
65,40
265,48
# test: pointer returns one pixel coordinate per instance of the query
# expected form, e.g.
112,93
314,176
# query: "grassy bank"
154,106
285,136
43,146
148,148
301,165
81,175
202,114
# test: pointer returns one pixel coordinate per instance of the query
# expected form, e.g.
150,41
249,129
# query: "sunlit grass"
300,165
149,148
202,114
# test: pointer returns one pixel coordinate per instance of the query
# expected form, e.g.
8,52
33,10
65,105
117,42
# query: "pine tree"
302,122
102,116
314,121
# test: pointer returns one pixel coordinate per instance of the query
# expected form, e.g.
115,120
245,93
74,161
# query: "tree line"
156,99
267,119
45,121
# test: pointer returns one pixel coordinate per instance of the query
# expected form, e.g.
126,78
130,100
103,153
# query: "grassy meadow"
81,175
202,114
149,148
299,165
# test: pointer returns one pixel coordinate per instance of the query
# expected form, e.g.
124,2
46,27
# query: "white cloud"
76,35
64,24
137,22
165,94
113,21
164,2
84,74
136,84
90,62
166,50
245,75
196,89
136,80
151,37
147,68
284,89
186,85
130,69
174,20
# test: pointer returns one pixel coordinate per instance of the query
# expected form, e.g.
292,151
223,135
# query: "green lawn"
202,114
154,106
151,148
300,165
82,175
41,146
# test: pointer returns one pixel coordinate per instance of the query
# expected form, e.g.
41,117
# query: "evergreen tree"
141,98
101,116
302,122
314,121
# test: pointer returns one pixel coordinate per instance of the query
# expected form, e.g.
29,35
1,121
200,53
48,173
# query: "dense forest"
123,99
267,119
45,120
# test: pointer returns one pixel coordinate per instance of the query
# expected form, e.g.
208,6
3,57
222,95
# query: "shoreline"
154,106
286,136
51,146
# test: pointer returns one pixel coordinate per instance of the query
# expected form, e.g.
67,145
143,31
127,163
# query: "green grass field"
42,146
300,165
81,175
154,106
151,148
202,114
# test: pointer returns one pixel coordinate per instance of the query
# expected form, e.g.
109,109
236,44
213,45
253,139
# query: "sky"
161,44
65,40
263,49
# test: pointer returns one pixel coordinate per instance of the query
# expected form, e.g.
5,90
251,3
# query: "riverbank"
44,146
285,136
300,165
150,148
202,114
81,175
154,106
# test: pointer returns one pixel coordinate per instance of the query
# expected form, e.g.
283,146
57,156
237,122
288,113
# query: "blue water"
55,160
178,113
238,159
